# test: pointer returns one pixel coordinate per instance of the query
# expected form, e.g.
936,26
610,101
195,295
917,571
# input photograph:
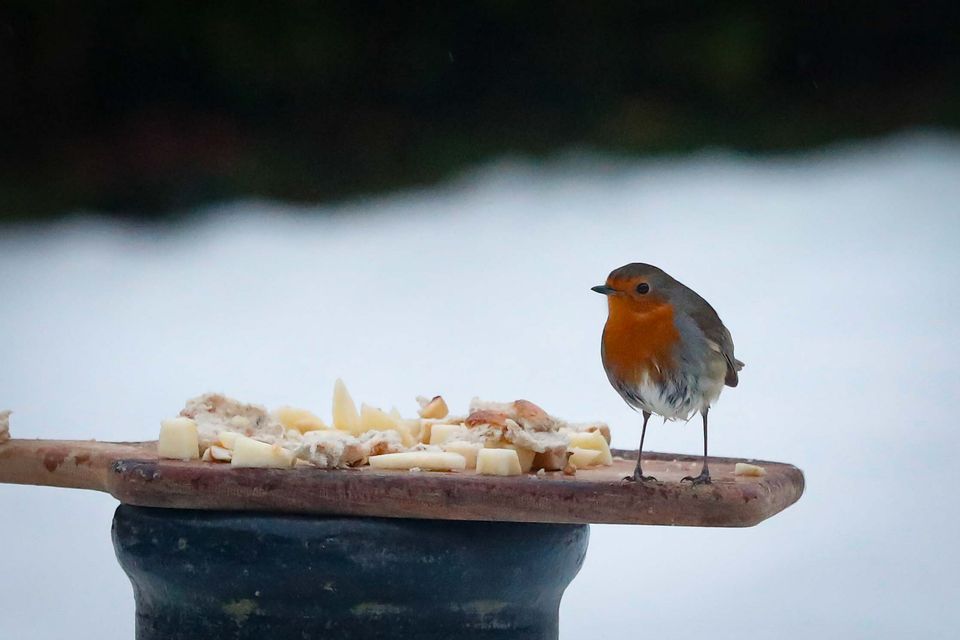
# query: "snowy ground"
836,271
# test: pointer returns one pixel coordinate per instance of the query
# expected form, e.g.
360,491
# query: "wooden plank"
75,464
132,473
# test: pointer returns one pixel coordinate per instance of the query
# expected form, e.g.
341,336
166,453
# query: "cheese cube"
227,438
299,419
468,450
434,408
591,440
498,462
345,414
585,457
744,469
412,427
423,460
178,439
248,452
406,436
373,419
441,433
525,456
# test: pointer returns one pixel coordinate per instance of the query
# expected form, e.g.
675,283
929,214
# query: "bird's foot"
639,476
703,478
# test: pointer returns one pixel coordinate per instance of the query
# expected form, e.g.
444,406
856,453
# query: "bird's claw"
641,478
703,478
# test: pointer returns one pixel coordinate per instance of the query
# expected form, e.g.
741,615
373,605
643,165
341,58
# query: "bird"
665,351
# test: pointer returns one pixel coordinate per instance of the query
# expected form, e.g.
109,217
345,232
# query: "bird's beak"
604,289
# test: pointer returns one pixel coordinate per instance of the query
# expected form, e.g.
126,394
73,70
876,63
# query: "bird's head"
637,288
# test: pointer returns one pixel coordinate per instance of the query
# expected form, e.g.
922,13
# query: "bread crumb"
415,469
541,473
5,425
215,412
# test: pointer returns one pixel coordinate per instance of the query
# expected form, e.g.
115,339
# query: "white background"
836,271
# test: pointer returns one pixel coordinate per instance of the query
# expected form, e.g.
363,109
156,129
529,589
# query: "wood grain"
132,473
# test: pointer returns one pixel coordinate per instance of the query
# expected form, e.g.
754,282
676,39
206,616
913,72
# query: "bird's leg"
704,477
638,472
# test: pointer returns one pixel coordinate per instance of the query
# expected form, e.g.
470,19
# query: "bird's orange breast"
639,343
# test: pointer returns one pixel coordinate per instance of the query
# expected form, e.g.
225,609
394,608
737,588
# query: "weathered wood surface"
132,473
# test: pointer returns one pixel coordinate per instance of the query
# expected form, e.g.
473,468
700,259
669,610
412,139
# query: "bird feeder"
215,552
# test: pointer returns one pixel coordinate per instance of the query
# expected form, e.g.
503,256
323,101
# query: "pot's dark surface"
212,575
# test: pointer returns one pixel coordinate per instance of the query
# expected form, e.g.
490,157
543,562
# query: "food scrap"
5,425
745,469
492,438
178,439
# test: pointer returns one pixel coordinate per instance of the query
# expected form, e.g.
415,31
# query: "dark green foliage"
148,108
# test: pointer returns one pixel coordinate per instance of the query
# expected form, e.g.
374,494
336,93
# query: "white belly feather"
676,397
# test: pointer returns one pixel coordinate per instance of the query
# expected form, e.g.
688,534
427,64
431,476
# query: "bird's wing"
718,338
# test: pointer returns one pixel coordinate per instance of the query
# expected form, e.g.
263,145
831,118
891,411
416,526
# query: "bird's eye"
643,288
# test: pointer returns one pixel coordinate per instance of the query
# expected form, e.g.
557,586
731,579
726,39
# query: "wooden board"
132,473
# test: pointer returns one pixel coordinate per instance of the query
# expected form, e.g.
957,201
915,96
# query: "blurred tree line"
148,109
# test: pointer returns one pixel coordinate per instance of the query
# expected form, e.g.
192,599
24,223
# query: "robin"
665,350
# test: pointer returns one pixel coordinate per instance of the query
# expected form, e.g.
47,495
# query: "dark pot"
200,574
